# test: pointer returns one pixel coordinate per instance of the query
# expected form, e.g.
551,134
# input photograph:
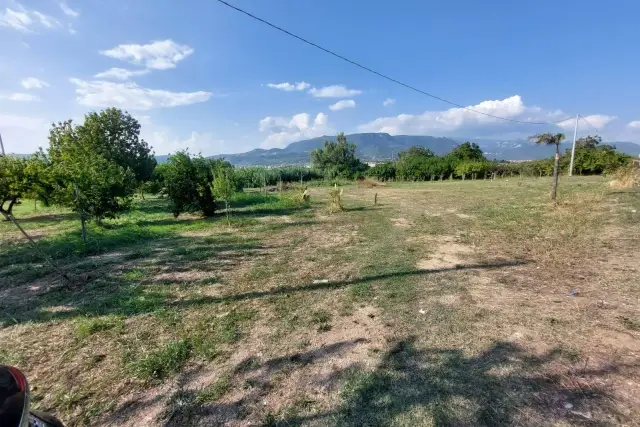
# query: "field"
451,303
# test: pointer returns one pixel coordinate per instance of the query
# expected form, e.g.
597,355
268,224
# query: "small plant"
214,391
89,327
335,200
158,364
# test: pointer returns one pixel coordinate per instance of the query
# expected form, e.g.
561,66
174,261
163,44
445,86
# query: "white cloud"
68,11
597,120
22,19
33,83
341,105
71,29
634,124
120,74
157,55
282,130
440,122
21,97
335,91
16,19
99,93
388,101
46,20
290,87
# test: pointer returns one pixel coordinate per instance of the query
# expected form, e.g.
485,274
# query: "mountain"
369,147
526,150
382,146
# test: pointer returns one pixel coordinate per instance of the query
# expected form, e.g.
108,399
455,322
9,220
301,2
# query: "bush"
189,181
383,171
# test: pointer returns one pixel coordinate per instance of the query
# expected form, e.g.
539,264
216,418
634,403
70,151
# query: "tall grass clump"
335,200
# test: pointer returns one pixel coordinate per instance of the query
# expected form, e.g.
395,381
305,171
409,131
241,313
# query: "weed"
214,391
90,326
162,362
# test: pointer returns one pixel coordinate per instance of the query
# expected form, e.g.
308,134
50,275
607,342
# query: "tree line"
95,169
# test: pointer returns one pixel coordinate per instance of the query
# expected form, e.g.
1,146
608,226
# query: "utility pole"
573,148
1,145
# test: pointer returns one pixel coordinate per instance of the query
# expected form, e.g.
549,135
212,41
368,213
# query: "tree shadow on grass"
411,385
342,283
504,385
134,280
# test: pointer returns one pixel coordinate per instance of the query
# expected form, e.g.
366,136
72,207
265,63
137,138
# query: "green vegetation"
435,293
337,159
464,301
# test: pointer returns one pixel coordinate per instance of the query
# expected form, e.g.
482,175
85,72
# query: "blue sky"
199,75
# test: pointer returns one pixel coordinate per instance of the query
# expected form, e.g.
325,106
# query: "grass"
293,316
162,362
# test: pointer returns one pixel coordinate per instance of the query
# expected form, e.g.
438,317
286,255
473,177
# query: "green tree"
551,139
223,187
188,182
416,151
114,135
468,151
337,159
589,141
13,183
84,179
39,175
383,171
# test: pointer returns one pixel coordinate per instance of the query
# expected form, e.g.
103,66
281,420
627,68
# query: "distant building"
372,164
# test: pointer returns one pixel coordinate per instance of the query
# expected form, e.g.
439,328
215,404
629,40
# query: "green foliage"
188,182
115,135
421,165
416,151
593,159
85,180
468,151
383,171
13,182
548,138
94,171
337,159
224,186
258,176
88,327
473,168
39,176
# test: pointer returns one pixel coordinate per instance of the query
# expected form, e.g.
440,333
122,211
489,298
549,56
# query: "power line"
383,75
585,120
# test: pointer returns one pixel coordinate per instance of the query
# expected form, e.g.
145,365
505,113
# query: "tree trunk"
226,202
83,224
554,184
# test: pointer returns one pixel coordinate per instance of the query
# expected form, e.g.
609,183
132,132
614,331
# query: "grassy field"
446,304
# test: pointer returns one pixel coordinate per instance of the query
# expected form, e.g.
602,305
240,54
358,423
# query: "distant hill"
526,150
382,146
369,147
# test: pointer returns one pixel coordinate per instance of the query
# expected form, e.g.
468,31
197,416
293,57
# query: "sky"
201,76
